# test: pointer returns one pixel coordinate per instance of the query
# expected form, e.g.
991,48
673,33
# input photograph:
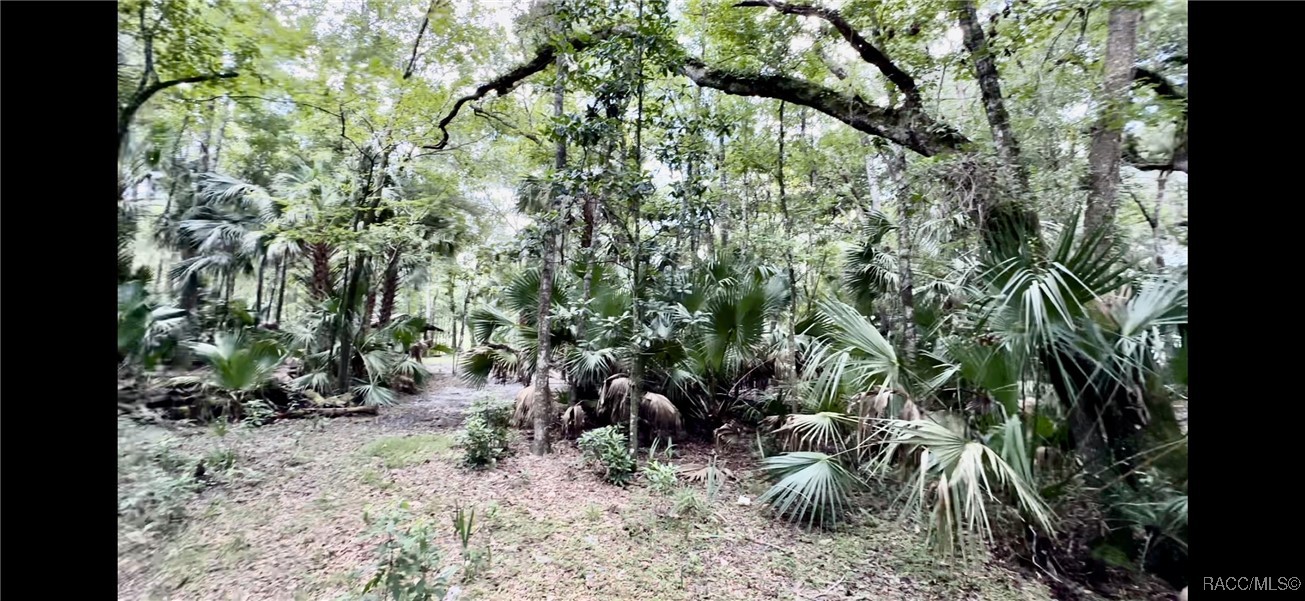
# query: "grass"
550,528
378,479
406,451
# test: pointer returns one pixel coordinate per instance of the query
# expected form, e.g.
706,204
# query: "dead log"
329,412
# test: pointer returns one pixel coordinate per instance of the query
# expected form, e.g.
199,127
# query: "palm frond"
825,430
374,394
961,475
852,355
809,486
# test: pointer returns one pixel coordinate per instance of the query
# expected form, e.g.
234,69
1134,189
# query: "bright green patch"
404,451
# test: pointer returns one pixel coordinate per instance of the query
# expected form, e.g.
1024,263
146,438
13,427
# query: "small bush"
408,560
496,413
661,476
606,448
485,434
690,507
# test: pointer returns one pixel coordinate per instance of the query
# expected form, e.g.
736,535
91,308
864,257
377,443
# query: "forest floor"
284,519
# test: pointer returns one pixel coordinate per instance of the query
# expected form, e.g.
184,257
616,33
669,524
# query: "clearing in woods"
285,520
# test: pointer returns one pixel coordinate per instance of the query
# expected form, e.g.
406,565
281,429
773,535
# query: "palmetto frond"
826,430
850,356
237,363
958,477
809,487
486,320
590,367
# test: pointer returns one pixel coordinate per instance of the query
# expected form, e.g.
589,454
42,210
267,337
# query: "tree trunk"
319,257
258,296
369,307
370,167
636,273
221,137
462,322
905,231
389,288
280,299
723,205
541,408
1161,180
790,355
587,246
343,377
985,70
1107,136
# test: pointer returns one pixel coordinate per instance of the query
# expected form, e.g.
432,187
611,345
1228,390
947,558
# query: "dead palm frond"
521,412
654,408
573,420
658,411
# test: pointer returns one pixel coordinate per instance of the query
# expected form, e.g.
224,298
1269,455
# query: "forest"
652,299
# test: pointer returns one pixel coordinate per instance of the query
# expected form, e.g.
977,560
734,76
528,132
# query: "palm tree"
225,229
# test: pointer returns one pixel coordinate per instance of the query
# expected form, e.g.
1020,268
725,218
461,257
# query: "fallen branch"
329,412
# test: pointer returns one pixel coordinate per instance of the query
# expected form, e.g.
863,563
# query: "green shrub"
606,448
496,413
408,560
661,477
485,434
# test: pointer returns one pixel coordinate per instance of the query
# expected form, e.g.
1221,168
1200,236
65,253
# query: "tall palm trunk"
319,257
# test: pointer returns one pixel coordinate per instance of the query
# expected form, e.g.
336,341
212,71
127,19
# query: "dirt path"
287,523
443,401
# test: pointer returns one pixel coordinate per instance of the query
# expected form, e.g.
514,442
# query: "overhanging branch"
869,53
501,85
163,85
908,126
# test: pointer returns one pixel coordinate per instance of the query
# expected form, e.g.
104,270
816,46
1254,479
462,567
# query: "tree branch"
501,85
425,22
163,85
1162,86
869,53
128,111
492,117
908,126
